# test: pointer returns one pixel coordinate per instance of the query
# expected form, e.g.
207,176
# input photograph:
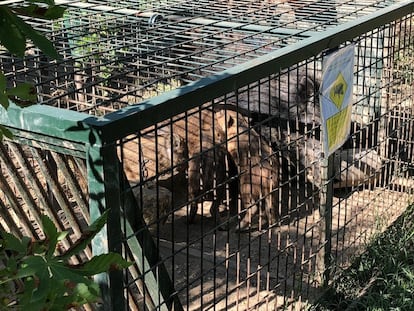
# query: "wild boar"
159,153
284,105
258,167
147,161
206,159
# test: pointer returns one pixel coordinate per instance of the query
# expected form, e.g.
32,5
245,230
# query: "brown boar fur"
257,165
160,153
206,166
191,145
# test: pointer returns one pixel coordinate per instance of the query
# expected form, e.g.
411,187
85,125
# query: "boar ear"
308,86
230,121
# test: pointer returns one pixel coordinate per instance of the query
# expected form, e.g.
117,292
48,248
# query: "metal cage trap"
119,54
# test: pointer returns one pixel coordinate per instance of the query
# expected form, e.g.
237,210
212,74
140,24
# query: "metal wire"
117,54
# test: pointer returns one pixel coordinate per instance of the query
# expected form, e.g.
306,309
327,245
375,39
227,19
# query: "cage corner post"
104,193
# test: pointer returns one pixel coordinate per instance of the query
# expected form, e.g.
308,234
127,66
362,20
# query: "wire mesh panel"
36,182
119,54
379,190
245,257
212,109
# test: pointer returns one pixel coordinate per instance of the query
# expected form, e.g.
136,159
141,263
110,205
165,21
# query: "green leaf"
36,262
49,228
55,12
23,94
26,241
35,306
99,223
3,82
51,233
87,236
11,36
51,270
26,295
12,243
60,271
4,100
32,265
103,263
87,293
5,132
45,283
10,267
39,247
34,10
25,272
62,235
25,91
42,42
39,40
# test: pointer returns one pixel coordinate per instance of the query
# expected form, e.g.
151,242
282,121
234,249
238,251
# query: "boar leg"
193,186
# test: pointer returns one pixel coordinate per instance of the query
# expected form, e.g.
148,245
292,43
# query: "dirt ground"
278,268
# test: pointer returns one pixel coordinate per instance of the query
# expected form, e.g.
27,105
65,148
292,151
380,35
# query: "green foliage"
382,278
23,94
14,33
48,281
93,46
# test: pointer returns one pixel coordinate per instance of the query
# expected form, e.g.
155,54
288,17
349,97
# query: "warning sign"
336,98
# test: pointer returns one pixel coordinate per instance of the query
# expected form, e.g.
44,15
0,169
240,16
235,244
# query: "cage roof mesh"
119,53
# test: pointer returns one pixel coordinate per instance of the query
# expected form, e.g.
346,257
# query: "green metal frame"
95,138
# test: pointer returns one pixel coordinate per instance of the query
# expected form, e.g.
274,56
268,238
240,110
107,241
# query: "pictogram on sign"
338,91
